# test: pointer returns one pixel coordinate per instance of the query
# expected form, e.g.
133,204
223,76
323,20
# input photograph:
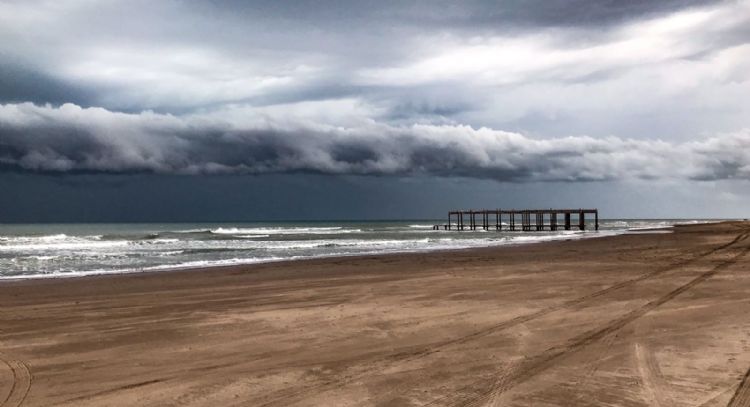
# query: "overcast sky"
315,109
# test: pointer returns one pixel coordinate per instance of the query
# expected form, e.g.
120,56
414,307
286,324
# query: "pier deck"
530,219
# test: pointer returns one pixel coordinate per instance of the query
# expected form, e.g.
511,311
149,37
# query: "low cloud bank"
70,139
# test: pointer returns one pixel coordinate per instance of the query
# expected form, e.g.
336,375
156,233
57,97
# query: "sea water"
59,250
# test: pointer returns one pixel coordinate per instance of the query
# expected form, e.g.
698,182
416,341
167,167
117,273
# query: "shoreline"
625,319
576,235
301,260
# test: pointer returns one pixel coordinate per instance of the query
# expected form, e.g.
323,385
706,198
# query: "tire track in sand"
592,366
711,398
577,301
652,378
654,385
20,384
541,362
521,319
504,381
741,397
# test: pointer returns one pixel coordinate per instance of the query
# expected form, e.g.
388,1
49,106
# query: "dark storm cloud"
69,139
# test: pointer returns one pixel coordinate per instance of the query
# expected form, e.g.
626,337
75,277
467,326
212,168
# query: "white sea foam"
158,241
30,239
42,258
191,231
651,227
63,245
168,253
283,231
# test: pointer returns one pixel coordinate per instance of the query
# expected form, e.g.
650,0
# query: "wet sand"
631,320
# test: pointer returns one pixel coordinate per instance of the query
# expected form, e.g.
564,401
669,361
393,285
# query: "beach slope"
656,319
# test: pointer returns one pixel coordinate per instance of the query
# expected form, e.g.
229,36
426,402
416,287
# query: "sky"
252,110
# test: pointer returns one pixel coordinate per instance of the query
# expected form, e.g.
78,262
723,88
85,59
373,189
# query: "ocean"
67,250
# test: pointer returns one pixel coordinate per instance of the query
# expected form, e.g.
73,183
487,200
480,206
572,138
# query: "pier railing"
530,219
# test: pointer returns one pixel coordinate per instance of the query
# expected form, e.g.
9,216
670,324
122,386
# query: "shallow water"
39,250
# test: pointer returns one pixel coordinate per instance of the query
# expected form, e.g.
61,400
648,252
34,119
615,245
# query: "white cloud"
556,55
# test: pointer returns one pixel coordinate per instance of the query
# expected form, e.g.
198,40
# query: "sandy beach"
652,319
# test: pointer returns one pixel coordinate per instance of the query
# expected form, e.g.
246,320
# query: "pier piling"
540,222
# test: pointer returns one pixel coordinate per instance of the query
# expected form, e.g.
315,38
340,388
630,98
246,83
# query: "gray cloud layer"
677,68
379,88
70,138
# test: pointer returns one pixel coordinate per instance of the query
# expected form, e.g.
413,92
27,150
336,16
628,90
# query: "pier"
530,219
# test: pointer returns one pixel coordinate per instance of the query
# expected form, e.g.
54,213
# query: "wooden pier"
530,219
